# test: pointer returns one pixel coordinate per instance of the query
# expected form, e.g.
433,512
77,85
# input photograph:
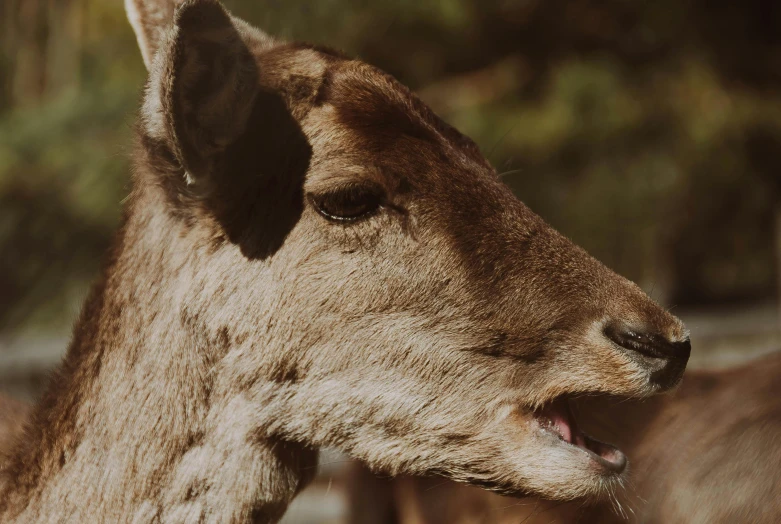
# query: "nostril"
649,344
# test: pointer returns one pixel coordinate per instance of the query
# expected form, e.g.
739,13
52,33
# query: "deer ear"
202,86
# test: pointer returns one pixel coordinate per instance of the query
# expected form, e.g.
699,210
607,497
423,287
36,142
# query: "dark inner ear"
260,197
209,87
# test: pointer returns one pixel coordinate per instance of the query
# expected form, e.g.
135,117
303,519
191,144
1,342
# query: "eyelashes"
349,203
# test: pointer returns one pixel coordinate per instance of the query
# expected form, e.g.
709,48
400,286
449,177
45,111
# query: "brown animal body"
310,257
709,453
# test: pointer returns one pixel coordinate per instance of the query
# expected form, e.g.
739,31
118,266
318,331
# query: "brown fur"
708,453
13,415
235,329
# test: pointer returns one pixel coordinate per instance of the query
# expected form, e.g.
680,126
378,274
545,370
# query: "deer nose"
649,344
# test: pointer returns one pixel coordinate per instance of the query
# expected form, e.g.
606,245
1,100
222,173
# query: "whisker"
501,139
512,171
435,486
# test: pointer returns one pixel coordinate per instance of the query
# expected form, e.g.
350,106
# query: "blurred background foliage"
649,132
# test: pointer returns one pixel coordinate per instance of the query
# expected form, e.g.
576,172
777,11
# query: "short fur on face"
246,321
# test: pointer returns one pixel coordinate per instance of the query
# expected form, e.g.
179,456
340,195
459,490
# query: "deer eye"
348,203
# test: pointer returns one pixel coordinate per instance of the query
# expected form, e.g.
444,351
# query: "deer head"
361,278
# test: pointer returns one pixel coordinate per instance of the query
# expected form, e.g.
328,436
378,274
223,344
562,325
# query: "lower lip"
617,462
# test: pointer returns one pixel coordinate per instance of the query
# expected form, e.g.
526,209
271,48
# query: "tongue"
559,418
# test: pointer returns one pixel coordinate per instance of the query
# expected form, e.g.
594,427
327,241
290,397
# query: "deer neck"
138,424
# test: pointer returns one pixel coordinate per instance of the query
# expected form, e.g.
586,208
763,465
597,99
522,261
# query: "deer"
310,257
706,453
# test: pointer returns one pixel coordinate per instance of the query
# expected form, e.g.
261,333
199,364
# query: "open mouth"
556,417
